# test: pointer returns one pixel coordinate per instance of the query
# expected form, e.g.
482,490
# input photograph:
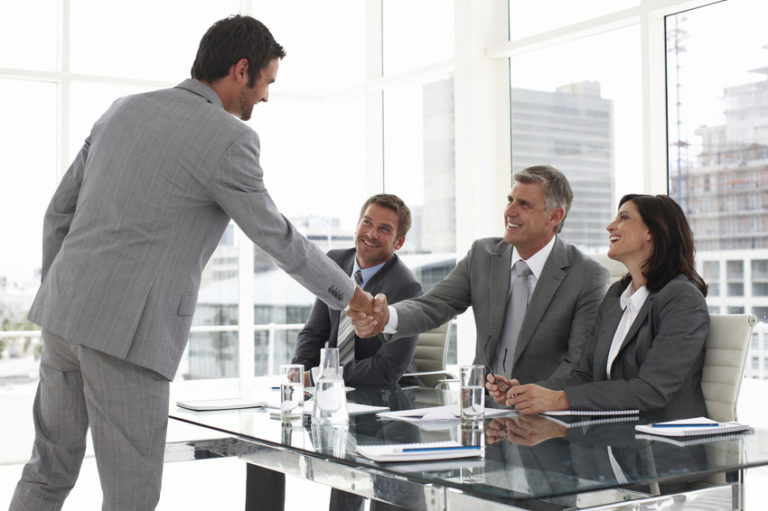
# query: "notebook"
592,413
574,421
696,426
211,405
692,440
423,451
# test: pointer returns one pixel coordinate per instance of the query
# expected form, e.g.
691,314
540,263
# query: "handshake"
368,314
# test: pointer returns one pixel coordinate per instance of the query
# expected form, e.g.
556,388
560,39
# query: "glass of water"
472,392
291,392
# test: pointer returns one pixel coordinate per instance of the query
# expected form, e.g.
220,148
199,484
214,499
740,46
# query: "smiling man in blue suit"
126,236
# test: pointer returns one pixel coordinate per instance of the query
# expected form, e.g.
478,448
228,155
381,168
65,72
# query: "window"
581,117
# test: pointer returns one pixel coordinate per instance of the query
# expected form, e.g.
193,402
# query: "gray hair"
554,184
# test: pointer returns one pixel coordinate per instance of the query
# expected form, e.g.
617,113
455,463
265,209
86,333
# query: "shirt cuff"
391,326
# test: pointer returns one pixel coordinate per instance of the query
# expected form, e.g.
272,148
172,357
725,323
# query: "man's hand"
361,301
370,325
528,430
498,385
534,399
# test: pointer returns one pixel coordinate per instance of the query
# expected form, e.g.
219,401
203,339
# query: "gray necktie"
516,306
346,339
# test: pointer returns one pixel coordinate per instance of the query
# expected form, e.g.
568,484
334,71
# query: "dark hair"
554,184
231,39
673,248
396,204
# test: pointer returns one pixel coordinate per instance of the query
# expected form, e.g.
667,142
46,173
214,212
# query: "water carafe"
330,403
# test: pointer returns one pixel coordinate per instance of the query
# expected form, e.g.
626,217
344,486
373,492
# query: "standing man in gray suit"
126,237
564,288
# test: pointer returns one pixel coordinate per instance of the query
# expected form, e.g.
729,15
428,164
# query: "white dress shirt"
631,301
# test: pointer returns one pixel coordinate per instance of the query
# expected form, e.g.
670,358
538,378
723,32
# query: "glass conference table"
528,462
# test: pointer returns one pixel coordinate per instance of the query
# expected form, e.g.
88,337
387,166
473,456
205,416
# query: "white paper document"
419,451
212,405
438,413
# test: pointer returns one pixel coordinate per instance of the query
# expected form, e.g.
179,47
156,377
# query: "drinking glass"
472,392
291,392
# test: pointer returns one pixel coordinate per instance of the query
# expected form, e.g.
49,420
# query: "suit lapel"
610,322
499,268
551,277
639,320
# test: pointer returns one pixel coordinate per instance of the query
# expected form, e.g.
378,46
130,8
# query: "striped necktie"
346,339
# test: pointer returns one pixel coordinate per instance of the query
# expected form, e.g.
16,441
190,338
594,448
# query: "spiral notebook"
592,413
419,451
574,421
694,427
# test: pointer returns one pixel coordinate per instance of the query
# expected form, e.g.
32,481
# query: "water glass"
472,392
329,363
291,392
330,440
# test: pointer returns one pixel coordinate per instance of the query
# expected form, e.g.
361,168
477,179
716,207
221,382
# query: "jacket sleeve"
450,297
584,314
61,209
391,360
237,185
313,336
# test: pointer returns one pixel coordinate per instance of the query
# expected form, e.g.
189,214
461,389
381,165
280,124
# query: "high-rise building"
725,195
572,130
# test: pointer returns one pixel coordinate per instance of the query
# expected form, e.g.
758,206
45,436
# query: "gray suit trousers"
126,407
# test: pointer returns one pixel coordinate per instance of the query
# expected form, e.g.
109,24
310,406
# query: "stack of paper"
694,427
419,451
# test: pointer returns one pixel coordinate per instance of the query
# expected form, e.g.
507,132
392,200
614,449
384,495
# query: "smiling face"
528,224
630,241
376,238
248,97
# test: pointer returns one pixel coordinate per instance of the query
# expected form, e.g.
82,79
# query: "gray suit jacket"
137,215
375,363
558,320
658,369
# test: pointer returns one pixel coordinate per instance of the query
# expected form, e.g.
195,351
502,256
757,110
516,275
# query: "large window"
718,149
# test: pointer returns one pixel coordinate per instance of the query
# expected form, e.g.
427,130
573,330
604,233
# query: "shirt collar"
537,261
367,272
633,299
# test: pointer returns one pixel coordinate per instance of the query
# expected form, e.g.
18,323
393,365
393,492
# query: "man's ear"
556,216
399,243
239,70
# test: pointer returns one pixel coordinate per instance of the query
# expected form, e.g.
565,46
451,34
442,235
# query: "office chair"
617,269
727,345
430,356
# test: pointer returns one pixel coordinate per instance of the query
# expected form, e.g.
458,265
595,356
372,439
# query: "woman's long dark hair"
673,248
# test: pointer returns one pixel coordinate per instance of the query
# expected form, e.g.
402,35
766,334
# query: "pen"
694,425
427,449
275,388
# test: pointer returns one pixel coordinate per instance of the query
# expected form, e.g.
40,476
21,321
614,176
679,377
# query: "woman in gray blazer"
646,350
